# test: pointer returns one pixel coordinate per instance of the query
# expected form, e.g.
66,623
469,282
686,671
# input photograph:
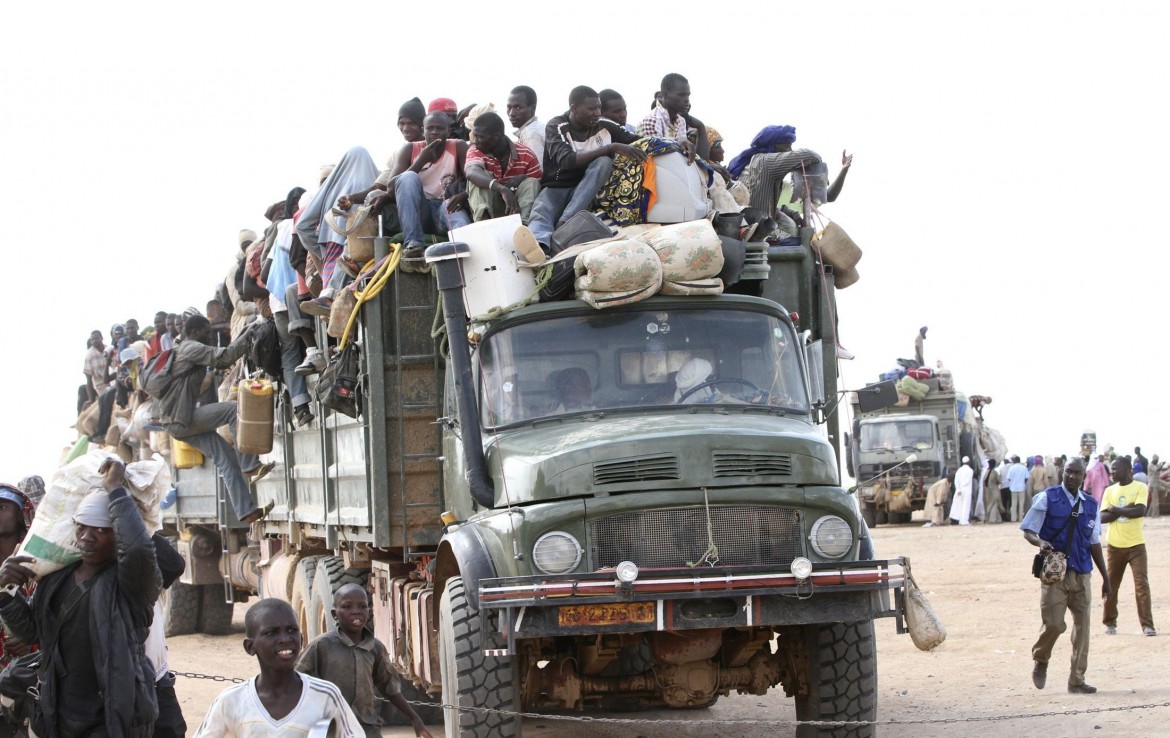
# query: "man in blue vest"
1066,519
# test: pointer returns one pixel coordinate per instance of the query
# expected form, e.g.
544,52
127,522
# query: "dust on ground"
978,579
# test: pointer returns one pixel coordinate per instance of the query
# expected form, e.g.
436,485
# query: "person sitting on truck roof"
197,425
455,116
410,121
613,108
425,178
503,178
521,109
578,159
666,119
765,164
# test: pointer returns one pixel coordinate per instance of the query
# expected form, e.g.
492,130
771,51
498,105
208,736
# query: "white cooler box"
495,274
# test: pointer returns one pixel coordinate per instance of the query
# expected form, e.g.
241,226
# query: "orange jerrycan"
254,408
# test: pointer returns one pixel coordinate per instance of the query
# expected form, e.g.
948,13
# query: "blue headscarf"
763,143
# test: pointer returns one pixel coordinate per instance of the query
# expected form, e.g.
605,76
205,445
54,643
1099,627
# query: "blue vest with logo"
1056,520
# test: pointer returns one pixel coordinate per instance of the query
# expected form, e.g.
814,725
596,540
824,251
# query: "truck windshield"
896,435
617,360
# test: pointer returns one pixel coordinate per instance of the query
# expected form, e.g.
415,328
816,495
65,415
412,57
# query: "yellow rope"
372,288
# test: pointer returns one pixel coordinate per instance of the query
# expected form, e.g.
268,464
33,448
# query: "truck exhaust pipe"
445,258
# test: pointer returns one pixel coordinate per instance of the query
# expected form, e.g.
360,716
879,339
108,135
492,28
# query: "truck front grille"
745,535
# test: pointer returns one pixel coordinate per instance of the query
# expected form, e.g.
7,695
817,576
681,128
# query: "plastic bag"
51,537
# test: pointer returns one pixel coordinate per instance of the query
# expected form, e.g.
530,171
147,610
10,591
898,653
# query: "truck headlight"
831,537
556,553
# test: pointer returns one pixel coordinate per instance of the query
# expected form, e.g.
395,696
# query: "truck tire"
304,571
329,576
842,680
869,514
967,445
215,612
469,678
429,715
880,516
900,518
181,616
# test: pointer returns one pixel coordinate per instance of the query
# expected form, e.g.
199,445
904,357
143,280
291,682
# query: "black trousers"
170,723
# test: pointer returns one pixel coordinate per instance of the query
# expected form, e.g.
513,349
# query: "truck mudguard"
464,553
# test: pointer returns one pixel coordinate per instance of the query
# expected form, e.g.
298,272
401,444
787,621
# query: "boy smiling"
280,701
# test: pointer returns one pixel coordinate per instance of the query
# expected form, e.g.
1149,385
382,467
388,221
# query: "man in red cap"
448,106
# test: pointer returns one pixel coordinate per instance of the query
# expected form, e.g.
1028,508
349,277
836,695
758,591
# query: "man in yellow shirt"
1123,506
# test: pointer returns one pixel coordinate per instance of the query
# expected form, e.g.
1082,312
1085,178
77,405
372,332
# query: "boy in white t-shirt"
280,700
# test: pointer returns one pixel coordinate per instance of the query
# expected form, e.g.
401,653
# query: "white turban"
966,459
691,374
94,510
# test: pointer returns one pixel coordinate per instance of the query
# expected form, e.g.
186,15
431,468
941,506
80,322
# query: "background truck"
663,542
937,431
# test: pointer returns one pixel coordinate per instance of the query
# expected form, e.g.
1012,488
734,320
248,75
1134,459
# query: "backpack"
155,377
266,349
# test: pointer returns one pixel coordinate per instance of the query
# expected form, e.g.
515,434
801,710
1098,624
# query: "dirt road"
977,578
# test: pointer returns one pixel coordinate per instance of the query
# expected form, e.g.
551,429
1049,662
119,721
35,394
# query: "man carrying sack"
1064,519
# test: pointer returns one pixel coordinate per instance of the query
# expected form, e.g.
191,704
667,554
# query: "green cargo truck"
577,509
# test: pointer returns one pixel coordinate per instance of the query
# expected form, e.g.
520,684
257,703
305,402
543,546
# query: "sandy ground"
977,578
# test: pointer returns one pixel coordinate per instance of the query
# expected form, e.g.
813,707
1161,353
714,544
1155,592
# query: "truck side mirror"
877,396
814,359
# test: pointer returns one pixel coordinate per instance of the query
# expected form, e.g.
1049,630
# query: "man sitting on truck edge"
197,425
667,119
503,178
578,159
422,179
521,109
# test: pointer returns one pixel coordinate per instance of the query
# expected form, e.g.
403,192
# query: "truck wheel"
181,616
869,514
880,516
429,715
302,590
842,680
471,679
329,576
215,613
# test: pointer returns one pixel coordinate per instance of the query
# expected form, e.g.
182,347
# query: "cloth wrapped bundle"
617,273
691,255
912,387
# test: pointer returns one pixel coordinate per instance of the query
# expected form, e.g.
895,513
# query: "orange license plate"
612,614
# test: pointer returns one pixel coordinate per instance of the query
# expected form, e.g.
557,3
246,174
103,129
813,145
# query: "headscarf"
21,499
246,235
94,510
355,171
763,143
33,487
690,375
413,110
713,137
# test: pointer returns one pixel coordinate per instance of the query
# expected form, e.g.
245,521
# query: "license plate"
612,614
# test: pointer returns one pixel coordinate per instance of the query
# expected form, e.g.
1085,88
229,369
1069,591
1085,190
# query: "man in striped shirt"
503,178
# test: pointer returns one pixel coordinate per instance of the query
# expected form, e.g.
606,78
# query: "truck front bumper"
684,599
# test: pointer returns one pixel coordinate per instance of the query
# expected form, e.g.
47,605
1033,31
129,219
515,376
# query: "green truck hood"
601,456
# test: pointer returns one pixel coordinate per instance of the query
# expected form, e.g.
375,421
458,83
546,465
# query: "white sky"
1004,189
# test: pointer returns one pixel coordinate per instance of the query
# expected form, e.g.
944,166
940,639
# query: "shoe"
928,524
260,472
844,353
1082,689
1149,631
318,306
1040,674
304,415
169,500
1110,630
314,363
414,251
258,514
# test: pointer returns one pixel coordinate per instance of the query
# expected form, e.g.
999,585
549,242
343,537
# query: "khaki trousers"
1116,560
1073,594
488,204
1018,507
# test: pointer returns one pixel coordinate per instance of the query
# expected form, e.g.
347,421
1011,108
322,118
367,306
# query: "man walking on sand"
1066,519
1124,508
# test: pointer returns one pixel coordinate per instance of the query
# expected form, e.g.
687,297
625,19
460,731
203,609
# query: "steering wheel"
717,380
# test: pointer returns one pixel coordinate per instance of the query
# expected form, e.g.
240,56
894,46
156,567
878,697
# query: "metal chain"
772,721
212,677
